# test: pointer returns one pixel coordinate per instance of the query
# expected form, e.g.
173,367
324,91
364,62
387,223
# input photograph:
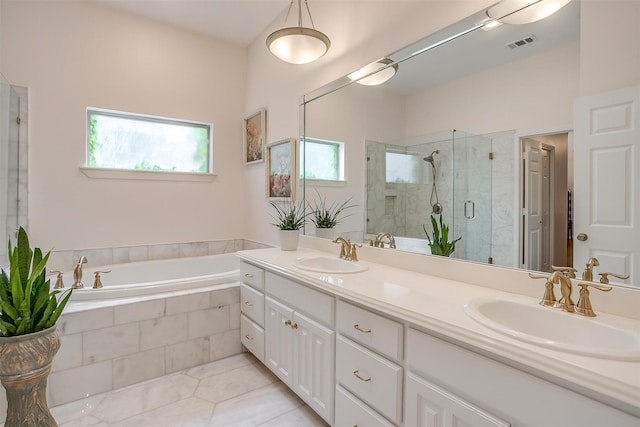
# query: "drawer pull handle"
364,331
248,304
249,337
287,322
356,374
248,275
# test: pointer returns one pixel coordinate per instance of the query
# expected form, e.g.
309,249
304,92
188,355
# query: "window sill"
326,182
104,173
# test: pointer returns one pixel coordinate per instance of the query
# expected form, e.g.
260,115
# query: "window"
126,141
402,168
322,159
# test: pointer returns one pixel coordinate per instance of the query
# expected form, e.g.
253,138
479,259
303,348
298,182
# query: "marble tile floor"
237,391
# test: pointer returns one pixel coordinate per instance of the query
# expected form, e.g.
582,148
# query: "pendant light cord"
306,4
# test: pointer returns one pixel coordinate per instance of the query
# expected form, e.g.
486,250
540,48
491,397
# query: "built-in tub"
154,277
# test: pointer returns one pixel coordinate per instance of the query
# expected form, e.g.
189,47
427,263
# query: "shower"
436,207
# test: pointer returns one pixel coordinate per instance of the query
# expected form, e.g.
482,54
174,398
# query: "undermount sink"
553,328
327,264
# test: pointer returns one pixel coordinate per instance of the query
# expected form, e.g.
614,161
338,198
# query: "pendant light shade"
524,11
375,78
298,45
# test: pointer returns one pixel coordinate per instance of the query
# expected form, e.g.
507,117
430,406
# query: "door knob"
582,237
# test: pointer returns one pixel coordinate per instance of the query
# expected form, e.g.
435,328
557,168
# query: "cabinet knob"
249,337
248,304
358,328
287,322
248,275
356,374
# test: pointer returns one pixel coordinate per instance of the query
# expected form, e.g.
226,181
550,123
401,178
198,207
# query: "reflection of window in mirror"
322,159
401,168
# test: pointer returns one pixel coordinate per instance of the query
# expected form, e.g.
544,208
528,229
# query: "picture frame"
254,132
282,170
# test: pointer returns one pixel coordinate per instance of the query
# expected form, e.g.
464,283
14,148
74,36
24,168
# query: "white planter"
325,233
289,239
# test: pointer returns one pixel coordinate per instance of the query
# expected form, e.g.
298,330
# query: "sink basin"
326,264
553,328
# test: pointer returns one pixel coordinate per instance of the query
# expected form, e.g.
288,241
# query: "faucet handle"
549,297
570,272
97,284
59,283
605,279
584,303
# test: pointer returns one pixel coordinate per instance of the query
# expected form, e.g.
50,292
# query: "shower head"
429,158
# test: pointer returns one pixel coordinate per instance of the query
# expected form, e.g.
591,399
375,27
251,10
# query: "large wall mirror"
475,128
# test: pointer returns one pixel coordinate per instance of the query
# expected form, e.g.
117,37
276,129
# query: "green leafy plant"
439,243
289,216
27,303
326,215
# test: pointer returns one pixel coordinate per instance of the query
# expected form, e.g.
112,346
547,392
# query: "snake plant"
27,303
439,243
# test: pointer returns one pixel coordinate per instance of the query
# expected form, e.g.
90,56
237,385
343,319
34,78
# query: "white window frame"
135,174
341,164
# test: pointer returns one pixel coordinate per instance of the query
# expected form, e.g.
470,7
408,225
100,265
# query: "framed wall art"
254,131
281,169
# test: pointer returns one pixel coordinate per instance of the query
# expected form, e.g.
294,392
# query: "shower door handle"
469,209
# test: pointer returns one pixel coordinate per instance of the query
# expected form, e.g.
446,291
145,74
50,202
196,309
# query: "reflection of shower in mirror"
436,207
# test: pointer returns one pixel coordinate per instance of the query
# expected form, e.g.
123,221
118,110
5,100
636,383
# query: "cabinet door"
313,364
428,405
278,339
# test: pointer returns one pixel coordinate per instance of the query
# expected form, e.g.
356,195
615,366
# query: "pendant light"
524,11
375,78
298,45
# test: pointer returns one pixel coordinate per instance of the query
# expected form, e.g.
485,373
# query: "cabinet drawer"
252,275
252,337
252,304
316,304
370,377
352,412
381,334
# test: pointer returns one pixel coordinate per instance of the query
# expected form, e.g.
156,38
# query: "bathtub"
154,277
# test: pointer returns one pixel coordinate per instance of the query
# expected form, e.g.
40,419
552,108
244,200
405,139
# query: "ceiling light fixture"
298,45
375,78
524,11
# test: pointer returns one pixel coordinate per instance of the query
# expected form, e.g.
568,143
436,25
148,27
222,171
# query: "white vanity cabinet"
300,341
460,384
366,343
252,309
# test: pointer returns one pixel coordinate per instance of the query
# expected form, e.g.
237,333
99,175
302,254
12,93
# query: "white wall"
73,55
361,32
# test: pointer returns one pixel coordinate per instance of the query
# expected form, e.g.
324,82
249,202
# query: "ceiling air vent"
519,43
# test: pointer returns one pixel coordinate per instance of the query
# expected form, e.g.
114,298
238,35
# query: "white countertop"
436,304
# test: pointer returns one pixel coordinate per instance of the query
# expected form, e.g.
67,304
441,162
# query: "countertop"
436,304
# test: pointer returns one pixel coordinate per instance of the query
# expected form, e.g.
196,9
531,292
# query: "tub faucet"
77,273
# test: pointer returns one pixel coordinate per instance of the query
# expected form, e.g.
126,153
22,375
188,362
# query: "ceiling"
234,21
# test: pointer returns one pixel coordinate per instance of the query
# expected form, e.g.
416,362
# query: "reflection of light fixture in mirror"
375,78
298,45
524,11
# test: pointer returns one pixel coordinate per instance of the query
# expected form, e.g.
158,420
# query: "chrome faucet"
379,241
77,273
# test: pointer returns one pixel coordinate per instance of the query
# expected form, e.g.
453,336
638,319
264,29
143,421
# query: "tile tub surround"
116,343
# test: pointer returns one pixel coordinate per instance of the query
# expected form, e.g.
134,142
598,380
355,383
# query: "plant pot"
26,363
325,233
289,239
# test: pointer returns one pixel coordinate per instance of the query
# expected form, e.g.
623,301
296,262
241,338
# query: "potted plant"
439,243
29,338
290,218
326,216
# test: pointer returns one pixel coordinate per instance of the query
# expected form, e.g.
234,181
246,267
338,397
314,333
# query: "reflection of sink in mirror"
326,264
553,328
